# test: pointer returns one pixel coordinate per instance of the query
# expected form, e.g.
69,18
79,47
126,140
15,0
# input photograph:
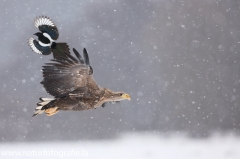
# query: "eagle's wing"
45,25
69,76
61,50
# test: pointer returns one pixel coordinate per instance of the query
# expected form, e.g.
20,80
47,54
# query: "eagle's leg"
51,111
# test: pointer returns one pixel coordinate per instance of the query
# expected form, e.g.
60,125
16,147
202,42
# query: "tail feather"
45,99
42,103
39,109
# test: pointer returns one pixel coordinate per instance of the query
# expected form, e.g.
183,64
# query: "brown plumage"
70,81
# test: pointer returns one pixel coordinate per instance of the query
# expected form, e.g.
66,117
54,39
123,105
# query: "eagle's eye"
120,94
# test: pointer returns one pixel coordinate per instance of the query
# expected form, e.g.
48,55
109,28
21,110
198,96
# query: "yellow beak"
126,96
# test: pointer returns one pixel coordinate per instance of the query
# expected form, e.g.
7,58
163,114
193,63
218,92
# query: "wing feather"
78,56
72,58
86,58
68,76
38,48
60,50
45,25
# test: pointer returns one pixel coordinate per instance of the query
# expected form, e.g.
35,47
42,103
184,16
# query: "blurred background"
179,61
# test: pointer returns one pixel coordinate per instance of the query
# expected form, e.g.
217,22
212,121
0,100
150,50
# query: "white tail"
38,109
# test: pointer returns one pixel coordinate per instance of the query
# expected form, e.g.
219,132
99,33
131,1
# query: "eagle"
70,80
46,43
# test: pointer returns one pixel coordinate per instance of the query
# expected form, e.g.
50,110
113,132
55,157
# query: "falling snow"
179,61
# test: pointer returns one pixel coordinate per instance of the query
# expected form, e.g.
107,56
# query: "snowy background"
179,61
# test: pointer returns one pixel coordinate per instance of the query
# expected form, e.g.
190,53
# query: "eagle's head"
116,96
110,96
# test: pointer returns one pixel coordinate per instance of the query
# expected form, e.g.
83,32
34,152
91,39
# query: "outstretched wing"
45,25
37,48
69,76
60,50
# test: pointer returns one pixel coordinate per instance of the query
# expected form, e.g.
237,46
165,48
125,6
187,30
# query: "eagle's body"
47,37
71,82
95,100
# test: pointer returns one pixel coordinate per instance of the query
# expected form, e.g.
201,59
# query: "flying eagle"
46,38
70,80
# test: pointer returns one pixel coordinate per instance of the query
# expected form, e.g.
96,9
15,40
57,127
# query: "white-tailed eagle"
70,80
